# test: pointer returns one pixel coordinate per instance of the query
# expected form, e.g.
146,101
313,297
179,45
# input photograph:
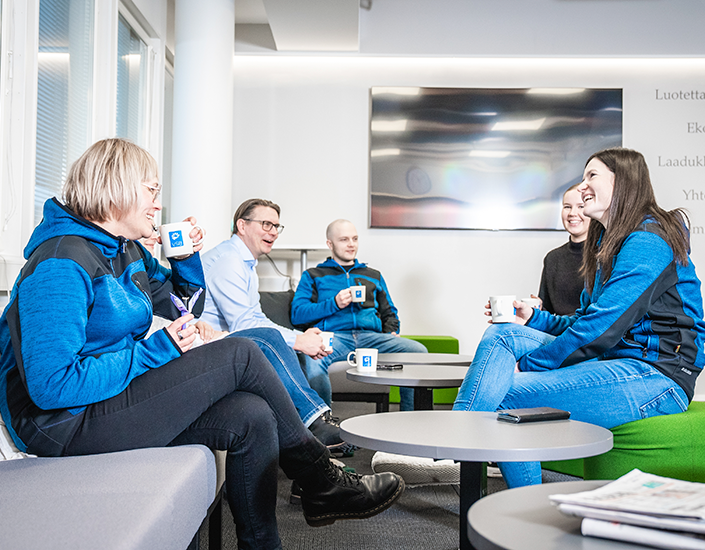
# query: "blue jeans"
285,362
607,393
346,341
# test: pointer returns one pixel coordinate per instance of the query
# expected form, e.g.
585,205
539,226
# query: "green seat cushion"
434,344
671,445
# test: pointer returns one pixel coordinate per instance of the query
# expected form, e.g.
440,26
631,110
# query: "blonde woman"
78,377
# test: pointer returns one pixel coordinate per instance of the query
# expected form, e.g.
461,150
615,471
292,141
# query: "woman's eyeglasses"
156,191
267,226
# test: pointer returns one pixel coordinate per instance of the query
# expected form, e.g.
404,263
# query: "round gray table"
524,519
423,378
413,358
473,438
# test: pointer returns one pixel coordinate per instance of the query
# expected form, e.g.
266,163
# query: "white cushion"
8,449
417,471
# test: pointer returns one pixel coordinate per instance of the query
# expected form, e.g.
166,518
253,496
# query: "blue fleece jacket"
314,301
72,334
650,309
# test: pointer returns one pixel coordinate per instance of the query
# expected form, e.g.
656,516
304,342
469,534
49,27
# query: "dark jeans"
224,395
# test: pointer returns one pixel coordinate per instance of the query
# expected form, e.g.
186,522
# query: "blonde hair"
104,183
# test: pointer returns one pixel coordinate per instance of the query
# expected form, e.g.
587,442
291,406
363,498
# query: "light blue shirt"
232,297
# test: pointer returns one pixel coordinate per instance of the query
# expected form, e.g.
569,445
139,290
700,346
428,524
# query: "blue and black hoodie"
314,301
650,309
73,332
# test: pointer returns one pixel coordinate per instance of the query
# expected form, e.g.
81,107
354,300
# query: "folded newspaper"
643,508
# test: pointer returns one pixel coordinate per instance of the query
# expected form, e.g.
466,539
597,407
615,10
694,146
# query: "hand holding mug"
310,343
180,240
197,234
344,298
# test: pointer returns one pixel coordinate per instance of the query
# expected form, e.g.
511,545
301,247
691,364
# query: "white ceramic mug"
358,293
365,359
327,338
532,302
176,240
502,308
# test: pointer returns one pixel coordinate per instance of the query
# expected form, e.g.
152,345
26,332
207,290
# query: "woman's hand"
540,301
184,338
197,234
523,312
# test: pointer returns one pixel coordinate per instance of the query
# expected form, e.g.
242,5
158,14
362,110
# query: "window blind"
64,92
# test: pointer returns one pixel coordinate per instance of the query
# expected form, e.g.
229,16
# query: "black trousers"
224,395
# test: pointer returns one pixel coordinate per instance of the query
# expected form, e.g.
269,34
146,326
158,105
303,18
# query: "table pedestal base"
473,486
423,399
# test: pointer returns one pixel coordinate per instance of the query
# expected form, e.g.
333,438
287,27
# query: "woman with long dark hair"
634,348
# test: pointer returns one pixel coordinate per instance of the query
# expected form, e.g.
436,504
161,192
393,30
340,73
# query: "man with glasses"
232,304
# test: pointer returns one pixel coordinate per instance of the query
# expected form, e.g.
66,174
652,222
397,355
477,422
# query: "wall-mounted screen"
483,158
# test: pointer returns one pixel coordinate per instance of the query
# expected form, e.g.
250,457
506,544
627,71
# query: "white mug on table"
365,359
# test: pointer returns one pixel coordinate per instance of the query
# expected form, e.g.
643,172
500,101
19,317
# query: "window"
167,141
64,94
133,69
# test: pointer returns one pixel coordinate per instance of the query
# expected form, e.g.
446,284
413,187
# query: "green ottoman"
670,446
433,344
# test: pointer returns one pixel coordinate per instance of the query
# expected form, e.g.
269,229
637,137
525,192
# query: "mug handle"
349,361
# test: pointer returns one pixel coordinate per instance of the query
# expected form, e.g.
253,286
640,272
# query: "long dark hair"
633,200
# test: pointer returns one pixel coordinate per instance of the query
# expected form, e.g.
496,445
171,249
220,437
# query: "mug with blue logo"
358,293
365,359
176,240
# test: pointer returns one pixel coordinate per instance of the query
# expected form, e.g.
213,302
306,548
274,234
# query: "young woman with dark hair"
634,348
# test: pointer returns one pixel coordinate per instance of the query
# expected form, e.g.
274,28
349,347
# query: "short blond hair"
104,183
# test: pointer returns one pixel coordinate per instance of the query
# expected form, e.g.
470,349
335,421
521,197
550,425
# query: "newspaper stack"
642,508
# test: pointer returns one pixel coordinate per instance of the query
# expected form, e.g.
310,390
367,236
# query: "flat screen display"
483,158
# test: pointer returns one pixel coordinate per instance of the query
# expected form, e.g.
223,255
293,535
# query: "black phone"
536,414
398,366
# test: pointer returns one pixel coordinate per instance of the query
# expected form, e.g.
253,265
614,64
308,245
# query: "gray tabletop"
421,376
474,436
413,358
524,519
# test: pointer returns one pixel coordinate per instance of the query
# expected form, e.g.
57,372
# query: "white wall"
301,139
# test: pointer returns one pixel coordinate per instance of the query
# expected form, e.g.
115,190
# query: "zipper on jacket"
352,309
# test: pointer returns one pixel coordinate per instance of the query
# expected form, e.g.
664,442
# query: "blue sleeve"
59,373
306,312
623,300
183,279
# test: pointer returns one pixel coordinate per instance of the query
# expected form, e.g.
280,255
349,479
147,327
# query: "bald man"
324,300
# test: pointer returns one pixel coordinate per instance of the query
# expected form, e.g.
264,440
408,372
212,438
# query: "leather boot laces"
342,477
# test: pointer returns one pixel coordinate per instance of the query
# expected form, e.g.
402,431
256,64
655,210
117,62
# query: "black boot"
329,493
327,429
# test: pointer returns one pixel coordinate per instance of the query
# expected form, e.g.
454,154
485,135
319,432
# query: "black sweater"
561,283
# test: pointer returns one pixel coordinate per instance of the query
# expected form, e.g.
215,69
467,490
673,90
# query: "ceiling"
305,25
